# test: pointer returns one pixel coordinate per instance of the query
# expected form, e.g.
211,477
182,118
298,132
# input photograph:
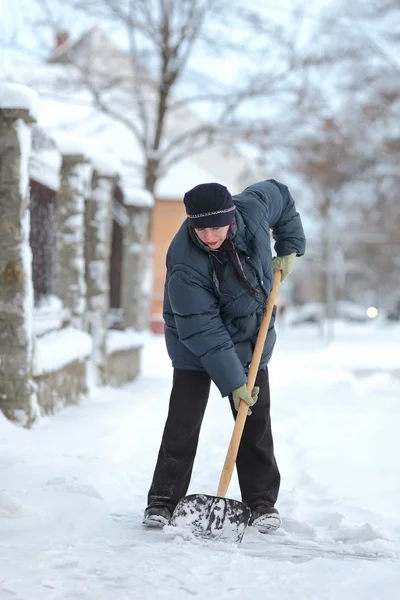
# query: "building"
74,265
99,58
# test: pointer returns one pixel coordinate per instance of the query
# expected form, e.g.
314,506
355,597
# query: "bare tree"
375,89
349,152
158,77
331,162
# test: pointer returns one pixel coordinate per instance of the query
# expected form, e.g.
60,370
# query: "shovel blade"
212,517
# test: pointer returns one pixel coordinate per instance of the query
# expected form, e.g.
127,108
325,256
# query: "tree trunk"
151,174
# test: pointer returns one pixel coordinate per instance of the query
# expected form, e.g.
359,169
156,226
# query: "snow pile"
44,167
106,164
16,95
60,348
10,507
118,341
9,433
138,197
71,144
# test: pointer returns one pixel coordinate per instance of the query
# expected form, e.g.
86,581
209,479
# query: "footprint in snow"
11,507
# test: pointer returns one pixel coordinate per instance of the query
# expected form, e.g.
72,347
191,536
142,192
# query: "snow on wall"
102,192
16,95
47,315
79,181
45,160
60,348
135,248
85,173
97,272
138,197
25,144
123,340
120,214
44,167
72,283
107,165
70,145
24,138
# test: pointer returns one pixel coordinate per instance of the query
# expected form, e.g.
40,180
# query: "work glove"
284,264
242,393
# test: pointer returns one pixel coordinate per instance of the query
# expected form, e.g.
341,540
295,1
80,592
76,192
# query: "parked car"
351,311
314,312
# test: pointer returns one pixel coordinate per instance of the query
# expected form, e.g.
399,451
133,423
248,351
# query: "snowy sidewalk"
72,493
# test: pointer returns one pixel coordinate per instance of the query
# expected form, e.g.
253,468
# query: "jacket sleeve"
283,219
201,329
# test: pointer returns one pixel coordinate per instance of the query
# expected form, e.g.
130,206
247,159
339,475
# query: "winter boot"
156,516
265,518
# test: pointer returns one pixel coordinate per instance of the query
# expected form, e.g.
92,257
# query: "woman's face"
213,236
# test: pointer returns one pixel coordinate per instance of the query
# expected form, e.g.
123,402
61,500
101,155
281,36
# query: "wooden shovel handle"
231,455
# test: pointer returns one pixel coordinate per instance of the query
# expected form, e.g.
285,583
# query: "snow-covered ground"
73,489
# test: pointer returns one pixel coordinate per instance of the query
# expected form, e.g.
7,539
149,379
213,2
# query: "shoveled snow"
59,348
16,95
73,489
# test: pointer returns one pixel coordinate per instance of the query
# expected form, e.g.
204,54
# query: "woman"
219,276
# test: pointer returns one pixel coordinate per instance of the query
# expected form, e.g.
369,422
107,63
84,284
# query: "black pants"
258,473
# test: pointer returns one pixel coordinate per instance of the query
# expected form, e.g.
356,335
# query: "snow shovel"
217,517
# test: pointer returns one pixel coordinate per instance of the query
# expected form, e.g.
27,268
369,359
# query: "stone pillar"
98,218
17,397
75,180
136,292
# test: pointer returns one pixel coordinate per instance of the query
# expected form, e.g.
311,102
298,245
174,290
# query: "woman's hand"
242,393
284,264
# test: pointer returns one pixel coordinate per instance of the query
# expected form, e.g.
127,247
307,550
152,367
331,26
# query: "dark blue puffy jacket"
215,330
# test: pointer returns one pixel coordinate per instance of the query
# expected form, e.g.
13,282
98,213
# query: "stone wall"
137,253
123,366
75,179
17,398
98,221
62,387
44,368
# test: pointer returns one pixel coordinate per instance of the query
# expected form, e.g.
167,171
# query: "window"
120,219
43,240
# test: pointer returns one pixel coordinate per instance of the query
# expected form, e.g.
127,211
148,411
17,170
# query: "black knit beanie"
209,205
